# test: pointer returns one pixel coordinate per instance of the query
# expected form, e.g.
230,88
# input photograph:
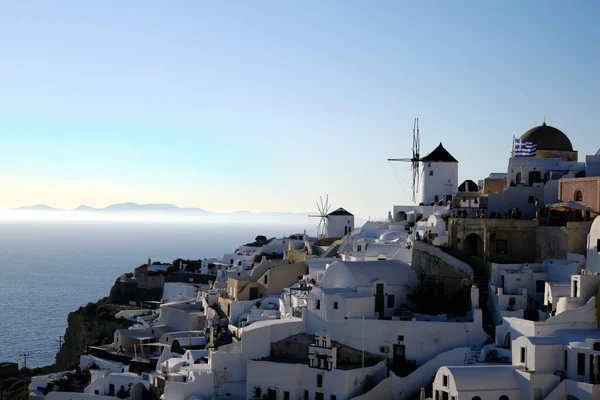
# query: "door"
537,394
319,396
253,293
111,390
379,300
593,377
399,355
272,394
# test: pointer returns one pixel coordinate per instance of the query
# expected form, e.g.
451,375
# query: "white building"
593,247
319,374
566,365
339,223
439,177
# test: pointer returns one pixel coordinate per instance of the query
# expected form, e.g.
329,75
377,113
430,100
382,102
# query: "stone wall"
444,281
519,234
557,241
590,188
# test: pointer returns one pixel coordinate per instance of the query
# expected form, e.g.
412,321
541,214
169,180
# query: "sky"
266,105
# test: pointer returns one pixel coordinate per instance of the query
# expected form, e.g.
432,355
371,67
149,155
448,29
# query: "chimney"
149,261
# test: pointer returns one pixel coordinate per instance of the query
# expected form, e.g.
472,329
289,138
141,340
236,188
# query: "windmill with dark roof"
438,177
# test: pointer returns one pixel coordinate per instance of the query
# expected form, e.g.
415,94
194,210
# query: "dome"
337,275
548,138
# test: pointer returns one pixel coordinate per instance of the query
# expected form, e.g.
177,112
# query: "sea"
49,268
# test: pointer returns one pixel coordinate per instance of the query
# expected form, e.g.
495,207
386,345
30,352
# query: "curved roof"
440,154
337,275
468,186
471,378
363,273
548,138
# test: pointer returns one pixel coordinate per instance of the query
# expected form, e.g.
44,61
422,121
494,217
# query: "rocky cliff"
91,325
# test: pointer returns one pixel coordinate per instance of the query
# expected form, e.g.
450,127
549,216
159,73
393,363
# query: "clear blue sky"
265,105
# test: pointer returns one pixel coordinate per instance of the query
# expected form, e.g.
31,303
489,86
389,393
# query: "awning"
566,206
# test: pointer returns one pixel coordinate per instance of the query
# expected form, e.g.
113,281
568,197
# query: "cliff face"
91,325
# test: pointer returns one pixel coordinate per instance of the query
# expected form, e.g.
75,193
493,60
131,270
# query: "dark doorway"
474,245
594,378
379,300
399,357
111,390
253,293
272,394
534,177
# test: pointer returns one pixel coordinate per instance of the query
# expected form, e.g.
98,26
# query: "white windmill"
323,209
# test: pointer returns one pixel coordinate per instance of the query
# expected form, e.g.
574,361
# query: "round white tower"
439,177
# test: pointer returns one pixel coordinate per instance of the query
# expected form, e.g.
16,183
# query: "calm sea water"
48,269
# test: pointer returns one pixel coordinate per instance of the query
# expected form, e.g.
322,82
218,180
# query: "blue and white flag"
525,148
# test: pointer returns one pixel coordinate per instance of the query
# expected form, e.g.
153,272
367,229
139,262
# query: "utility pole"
25,355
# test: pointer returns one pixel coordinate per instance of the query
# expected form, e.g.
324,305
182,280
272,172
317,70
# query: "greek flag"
525,148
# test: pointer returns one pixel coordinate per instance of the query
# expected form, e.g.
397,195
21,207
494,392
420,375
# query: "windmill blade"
400,159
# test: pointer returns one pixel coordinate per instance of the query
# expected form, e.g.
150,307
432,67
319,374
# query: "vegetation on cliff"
92,325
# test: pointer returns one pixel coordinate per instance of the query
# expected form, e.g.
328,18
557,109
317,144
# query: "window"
428,165
400,338
522,359
319,381
305,394
566,361
501,246
286,395
96,392
598,245
578,195
436,198
518,178
430,173
391,300
540,286
531,199
266,279
335,305
581,364
332,397
358,248
318,305
445,381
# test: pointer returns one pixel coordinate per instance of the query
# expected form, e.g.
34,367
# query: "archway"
400,216
474,245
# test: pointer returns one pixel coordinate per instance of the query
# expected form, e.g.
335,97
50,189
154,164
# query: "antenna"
323,211
414,160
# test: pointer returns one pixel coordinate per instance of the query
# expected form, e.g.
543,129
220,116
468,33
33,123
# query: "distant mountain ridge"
130,207
155,209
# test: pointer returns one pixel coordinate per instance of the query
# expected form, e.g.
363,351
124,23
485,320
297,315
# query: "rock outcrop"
92,325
